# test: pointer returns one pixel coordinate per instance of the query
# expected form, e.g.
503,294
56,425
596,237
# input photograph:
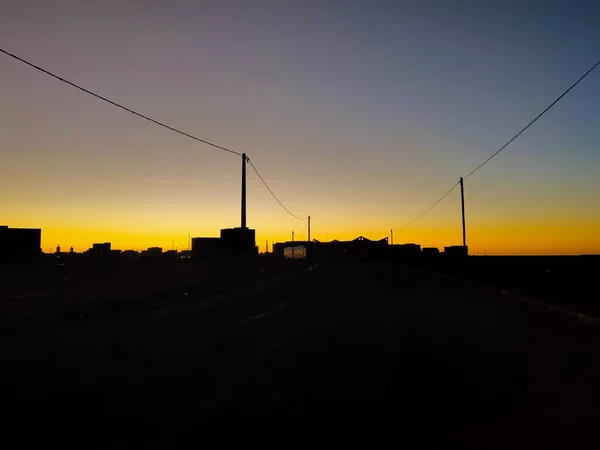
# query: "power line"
274,196
534,120
303,230
117,104
503,147
420,216
87,91
261,178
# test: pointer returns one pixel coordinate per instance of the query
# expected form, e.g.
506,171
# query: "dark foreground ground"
57,293
569,281
344,354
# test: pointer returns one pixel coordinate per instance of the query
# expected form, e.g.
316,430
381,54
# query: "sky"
359,114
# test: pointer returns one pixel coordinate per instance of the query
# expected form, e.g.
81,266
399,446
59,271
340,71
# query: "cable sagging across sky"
503,147
533,121
420,216
118,105
304,229
87,91
273,194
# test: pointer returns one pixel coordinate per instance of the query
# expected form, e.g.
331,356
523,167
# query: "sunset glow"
359,116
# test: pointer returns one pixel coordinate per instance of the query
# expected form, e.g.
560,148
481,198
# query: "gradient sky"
361,114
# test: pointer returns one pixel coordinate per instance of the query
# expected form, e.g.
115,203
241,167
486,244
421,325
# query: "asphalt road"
327,356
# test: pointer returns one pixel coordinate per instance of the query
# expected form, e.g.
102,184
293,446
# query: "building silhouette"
430,251
456,250
100,249
359,249
239,242
153,251
207,247
233,243
20,244
405,251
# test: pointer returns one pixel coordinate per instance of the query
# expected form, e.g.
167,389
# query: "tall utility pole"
243,190
308,228
244,230
392,234
292,245
267,247
462,201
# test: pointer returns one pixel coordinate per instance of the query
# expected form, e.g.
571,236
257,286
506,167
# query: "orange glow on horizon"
367,142
517,240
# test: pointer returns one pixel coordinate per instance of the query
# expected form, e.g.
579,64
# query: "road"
330,355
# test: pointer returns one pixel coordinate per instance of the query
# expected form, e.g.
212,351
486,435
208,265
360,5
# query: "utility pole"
267,247
462,201
243,190
292,245
244,234
308,228
392,234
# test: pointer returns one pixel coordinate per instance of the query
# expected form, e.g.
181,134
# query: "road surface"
329,356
